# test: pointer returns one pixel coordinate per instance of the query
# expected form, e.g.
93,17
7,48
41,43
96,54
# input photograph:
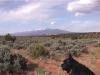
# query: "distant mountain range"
45,32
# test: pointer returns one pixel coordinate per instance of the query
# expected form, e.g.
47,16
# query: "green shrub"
38,51
40,71
19,46
61,43
8,37
77,50
4,53
47,44
74,37
11,62
32,66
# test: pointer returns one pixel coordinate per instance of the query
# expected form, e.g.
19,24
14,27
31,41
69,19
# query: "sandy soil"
91,60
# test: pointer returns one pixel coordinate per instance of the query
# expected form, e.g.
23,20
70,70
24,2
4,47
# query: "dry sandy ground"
91,60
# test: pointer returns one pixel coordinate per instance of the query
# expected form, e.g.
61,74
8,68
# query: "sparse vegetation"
38,51
49,47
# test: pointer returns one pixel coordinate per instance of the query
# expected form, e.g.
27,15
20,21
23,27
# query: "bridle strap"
70,72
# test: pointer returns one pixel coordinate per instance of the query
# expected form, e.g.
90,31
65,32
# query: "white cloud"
53,22
80,7
36,10
26,12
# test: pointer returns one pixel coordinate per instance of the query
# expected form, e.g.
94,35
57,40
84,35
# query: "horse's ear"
70,56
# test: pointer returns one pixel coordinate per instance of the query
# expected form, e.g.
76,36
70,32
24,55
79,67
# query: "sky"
69,15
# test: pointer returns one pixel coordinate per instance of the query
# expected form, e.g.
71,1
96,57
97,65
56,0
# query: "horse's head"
71,66
67,63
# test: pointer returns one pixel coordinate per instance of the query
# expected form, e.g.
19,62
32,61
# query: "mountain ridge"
44,32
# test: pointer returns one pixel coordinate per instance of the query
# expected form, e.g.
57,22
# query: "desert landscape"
46,53
49,37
